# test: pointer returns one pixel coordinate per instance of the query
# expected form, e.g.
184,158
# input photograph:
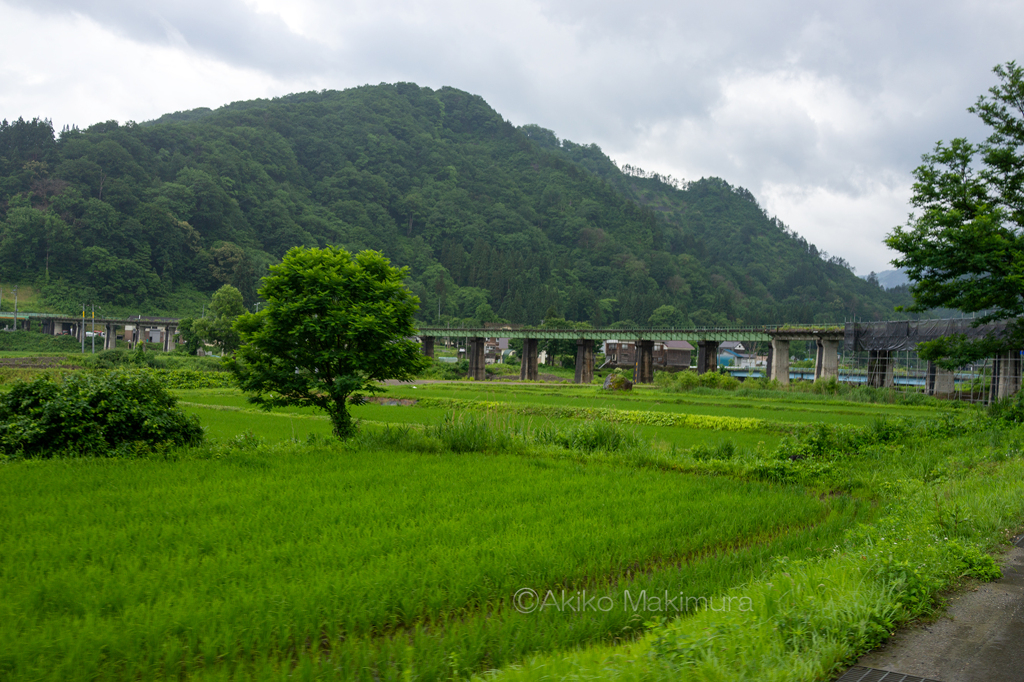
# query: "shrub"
1010,408
688,381
112,414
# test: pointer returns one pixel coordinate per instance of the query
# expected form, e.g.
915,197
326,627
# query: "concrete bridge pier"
707,356
528,363
826,364
80,332
26,325
1006,375
584,361
109,336
427,342
940,381
644,363
169,333
476,359
880,369
780,361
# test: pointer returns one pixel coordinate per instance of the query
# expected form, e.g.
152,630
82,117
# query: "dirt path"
980,638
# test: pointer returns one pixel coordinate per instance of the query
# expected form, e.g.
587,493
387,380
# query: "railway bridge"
881,340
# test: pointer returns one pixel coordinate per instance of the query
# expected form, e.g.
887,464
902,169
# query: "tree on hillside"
333,327
965,250
218,326
668,317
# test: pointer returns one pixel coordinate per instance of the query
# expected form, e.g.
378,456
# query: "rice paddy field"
505,531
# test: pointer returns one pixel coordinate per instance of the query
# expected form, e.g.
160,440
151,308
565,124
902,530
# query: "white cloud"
97,75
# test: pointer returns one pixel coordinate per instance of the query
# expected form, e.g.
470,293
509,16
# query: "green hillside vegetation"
495,222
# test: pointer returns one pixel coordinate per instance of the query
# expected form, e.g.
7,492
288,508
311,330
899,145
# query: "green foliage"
218,326
190,335
445,370
971,198
1010,408
107,415
494,221
669,317
333,327
39,343
934,491
679,382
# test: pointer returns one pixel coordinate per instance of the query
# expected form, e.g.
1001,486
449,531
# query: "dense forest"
495,222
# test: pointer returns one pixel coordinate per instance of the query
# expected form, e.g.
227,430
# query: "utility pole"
94,328
82,330
15,308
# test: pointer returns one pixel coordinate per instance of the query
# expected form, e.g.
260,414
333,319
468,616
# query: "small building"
733,354
667,355
494,349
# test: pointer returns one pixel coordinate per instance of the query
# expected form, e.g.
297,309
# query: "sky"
821,110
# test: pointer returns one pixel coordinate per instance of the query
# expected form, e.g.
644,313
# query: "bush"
689,380
445,370
1010,408
114,414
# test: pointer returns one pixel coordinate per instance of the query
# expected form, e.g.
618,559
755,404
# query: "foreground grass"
808,620
267,559
399,555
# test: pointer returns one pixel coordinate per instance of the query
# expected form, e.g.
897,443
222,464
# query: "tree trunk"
341,420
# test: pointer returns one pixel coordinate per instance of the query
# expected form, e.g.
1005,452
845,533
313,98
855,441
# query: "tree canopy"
334,325
218,326
965,248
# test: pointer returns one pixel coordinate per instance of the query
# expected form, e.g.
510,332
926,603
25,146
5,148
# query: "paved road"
981,638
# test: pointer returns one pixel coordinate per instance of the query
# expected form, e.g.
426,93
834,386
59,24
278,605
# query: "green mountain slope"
494,221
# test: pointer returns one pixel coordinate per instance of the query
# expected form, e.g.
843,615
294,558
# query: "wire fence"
979,382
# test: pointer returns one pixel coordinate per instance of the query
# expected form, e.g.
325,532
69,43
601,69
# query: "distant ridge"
890,279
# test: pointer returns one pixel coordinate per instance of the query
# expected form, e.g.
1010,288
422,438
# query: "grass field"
273,552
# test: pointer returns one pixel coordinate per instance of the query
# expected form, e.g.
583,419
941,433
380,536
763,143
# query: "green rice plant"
358,564
808,619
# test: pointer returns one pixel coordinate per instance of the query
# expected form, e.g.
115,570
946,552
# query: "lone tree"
966,248
218,326
333,327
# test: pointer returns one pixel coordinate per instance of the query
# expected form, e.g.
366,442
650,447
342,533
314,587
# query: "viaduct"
79,326
880,339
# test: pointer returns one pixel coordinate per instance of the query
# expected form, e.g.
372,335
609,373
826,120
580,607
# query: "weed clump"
591,436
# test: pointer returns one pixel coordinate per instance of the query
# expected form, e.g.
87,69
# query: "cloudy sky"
820,109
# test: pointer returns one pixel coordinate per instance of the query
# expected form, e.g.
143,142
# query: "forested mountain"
494,221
